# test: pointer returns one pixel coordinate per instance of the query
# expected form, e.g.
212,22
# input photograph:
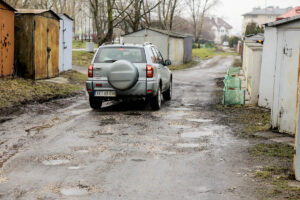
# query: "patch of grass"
78,44
272,150
263,174
183,66
14,92
206,53
75,77
237,63
250,119
82,58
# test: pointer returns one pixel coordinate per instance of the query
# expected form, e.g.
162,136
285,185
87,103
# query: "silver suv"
129,72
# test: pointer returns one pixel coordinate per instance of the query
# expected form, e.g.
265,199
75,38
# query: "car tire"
156,101
95,103
168,94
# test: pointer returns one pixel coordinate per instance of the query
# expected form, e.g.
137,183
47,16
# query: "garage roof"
284,21
165,32
36,12
7,5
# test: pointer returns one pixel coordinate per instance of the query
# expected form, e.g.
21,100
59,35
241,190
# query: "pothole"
133,114
138,160
55,162
75,167
182,109
181,126
187,145
5,119
196,134
78,112
200,120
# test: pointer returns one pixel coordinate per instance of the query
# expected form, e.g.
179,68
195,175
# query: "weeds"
183,66
82,58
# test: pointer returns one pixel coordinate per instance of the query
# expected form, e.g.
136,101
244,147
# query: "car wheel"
156,100
95,103
168,94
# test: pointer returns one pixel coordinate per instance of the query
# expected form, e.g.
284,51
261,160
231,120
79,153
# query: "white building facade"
262,16
220,29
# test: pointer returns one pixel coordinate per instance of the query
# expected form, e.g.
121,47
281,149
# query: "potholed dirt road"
65,150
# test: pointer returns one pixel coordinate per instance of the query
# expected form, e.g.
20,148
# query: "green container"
233,83
233,97
233,71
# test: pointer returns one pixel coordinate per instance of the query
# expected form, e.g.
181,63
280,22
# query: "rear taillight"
90,71
150,71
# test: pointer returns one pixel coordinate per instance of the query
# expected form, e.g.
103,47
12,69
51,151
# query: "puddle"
75,167
187,145
138,160
133,114
78,112
196,134
189,104
201,120
82,151
55,162
2,120
74,191
181,126
182,109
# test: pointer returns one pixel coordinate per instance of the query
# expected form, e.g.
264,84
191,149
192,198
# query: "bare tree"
166,12
198,10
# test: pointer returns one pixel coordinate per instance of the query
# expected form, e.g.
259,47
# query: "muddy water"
125,151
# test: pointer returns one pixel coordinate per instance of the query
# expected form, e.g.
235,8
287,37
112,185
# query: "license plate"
105,94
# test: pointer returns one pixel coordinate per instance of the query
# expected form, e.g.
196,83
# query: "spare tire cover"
122,75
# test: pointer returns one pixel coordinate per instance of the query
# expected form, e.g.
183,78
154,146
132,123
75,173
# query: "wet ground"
65,150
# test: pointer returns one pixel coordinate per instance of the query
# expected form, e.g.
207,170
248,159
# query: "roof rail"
147,43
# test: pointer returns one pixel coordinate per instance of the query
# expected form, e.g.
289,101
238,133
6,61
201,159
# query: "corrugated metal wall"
37,45
188,49
65,43
7,40
158,39
175,46
176,50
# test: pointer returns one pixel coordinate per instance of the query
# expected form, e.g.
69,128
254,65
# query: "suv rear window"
112,54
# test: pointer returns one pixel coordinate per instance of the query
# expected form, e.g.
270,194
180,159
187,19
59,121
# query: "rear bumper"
142,88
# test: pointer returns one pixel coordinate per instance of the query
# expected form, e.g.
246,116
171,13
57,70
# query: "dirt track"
63,149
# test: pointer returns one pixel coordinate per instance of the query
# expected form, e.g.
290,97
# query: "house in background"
262,16
220,28
174,46
291,13
7,39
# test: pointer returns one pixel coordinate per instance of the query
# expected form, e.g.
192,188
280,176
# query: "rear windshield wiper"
110,61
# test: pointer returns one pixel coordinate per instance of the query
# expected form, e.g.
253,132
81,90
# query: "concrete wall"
268,68
252,67
65,43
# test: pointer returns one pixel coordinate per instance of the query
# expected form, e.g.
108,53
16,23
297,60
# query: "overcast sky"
231,10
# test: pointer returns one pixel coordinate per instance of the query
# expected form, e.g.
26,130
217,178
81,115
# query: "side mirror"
168,62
